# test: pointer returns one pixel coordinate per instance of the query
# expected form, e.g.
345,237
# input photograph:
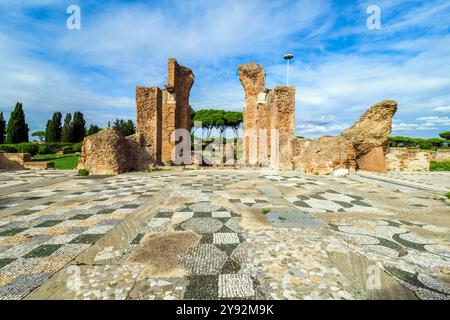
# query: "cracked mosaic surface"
241,253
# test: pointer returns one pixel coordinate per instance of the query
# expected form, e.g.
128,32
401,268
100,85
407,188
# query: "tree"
220,122
193,128
2,128
39,134
53,128
130,128
234,120
66,133
206,117
125,128
78,127
56,119
445,135
436,142
93,129
50,132
17,130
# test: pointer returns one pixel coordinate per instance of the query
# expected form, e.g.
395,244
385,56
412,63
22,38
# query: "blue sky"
341,67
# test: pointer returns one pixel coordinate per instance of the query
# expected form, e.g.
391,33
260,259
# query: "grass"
83,173
62,162
265,211
440,166
448,195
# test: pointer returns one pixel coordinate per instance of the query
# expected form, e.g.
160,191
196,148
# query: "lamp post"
287,57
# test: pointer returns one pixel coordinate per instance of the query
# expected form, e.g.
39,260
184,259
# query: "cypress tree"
53,129
50,132
17,130
79,130
93,129
66,133
2,128
130,128
56,119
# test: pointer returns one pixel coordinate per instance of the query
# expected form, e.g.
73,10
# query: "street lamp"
287,57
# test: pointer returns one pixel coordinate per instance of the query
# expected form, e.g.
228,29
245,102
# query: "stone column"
148,119
252,77
283,126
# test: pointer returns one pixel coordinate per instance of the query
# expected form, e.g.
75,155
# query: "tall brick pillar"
283,127
176,113
252,77
148,120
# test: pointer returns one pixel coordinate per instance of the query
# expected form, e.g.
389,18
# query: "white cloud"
443,109
120,46
434,121
315,130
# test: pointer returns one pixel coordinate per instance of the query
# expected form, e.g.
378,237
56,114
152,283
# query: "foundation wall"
400,159
14,161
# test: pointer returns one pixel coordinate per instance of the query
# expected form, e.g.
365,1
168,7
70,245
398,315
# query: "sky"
341,67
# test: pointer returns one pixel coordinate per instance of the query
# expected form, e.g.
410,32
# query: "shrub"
448,195
76,147
83,172
8,148
44,149
440,166
27,148
67,148
265,211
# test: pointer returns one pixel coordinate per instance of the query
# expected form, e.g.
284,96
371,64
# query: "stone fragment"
105,152
373,161
323,155
373,128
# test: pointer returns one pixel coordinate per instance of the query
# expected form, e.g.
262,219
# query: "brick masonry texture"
158,113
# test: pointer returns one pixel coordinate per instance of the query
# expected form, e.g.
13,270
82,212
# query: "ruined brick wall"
269,120
283,122
14,161
158,114
324,155
402,159
106,152
176,112
442,155
252,78
149,121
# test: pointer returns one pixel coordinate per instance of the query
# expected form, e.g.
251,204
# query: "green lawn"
62,162
440,166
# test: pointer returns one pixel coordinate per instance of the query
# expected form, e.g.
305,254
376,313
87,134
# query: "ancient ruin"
158,113
369,135
269,132
268,137
269,120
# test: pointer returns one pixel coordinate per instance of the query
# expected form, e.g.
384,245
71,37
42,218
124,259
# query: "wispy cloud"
340,69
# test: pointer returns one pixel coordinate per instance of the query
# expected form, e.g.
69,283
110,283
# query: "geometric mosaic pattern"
37,242
391,240
213,270
46,228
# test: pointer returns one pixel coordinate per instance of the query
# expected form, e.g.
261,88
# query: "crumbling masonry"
269,120
158,113
269,131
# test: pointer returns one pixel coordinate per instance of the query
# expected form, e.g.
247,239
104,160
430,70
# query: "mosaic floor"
222,234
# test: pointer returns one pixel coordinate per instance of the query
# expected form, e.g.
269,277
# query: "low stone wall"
441,155
402,159
14,161
39,165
